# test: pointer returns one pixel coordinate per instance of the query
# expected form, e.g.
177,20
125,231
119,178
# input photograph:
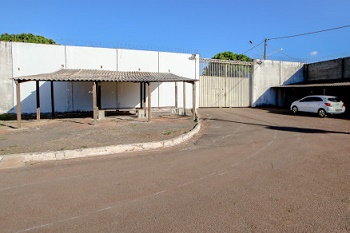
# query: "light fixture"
193,56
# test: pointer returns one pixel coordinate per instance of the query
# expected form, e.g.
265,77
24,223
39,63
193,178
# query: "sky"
189,26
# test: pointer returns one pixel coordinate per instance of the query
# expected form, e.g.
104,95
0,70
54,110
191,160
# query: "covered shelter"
96,77
291,92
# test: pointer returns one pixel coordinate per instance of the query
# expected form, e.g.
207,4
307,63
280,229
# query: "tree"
228,69
26,38
232,56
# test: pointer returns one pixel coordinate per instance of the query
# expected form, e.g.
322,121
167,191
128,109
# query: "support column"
99,95
52,100
37,101
194,101
176,94
94,101
184,97
144,96
277,91
19,114
141,96
149,101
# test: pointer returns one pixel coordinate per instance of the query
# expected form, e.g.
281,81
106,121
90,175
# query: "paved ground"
249,170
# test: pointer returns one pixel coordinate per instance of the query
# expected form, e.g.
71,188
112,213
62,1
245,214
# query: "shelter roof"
337,84
104,76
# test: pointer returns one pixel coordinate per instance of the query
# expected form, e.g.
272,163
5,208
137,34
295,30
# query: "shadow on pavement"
284,111
282,128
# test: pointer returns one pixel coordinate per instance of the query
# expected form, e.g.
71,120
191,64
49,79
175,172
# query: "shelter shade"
98,76
104,76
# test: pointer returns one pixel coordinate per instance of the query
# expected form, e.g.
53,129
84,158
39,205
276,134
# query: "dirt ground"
75,133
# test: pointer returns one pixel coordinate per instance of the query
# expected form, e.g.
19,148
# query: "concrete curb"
18,160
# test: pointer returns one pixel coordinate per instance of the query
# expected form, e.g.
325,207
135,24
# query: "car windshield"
333,99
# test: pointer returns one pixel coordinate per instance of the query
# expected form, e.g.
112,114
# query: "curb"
19,160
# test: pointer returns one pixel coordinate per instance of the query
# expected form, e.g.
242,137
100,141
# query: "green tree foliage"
26,38
227,69
232,56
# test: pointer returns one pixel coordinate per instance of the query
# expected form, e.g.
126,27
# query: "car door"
304,104
316,104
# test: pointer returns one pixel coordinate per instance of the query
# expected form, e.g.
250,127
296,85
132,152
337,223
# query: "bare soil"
75,133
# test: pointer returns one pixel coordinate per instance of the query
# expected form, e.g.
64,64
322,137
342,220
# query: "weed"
168,132
6,117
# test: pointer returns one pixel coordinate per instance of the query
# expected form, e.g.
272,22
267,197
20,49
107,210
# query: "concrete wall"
21,59
31,59
6,82
268,74
333,70
346,68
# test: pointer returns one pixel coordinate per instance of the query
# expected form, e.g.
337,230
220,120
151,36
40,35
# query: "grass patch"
6,117
168,132
84,147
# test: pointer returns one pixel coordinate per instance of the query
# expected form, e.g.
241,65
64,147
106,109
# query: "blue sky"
191,26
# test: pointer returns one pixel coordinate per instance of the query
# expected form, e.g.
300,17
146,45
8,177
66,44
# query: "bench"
139,112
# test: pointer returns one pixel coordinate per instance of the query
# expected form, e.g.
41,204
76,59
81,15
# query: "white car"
320,104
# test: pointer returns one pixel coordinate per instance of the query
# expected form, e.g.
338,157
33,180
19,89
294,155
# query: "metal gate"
224,83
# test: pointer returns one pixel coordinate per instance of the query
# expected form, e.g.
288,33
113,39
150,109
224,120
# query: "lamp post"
265,45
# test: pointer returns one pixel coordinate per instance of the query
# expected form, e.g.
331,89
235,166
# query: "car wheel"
322,112
294,109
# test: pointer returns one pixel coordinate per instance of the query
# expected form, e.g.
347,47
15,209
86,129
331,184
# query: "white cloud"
313,53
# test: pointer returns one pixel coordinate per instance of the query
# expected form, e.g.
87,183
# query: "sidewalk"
78,137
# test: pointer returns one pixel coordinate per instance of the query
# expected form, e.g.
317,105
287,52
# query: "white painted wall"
20,59
182,65
109,95
137,60
6,82
31,59
91,58
267,74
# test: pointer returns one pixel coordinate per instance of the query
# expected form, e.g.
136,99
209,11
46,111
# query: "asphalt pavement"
247,170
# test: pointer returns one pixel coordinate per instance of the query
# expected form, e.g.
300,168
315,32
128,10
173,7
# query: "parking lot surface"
249,170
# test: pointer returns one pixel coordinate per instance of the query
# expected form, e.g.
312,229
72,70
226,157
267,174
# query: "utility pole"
265,44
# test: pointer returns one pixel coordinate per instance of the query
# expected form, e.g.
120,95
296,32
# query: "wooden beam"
52,100
141,96
37,100
176,94
99,95
19,114
149,101
184,97
94,101
194,101
144,96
